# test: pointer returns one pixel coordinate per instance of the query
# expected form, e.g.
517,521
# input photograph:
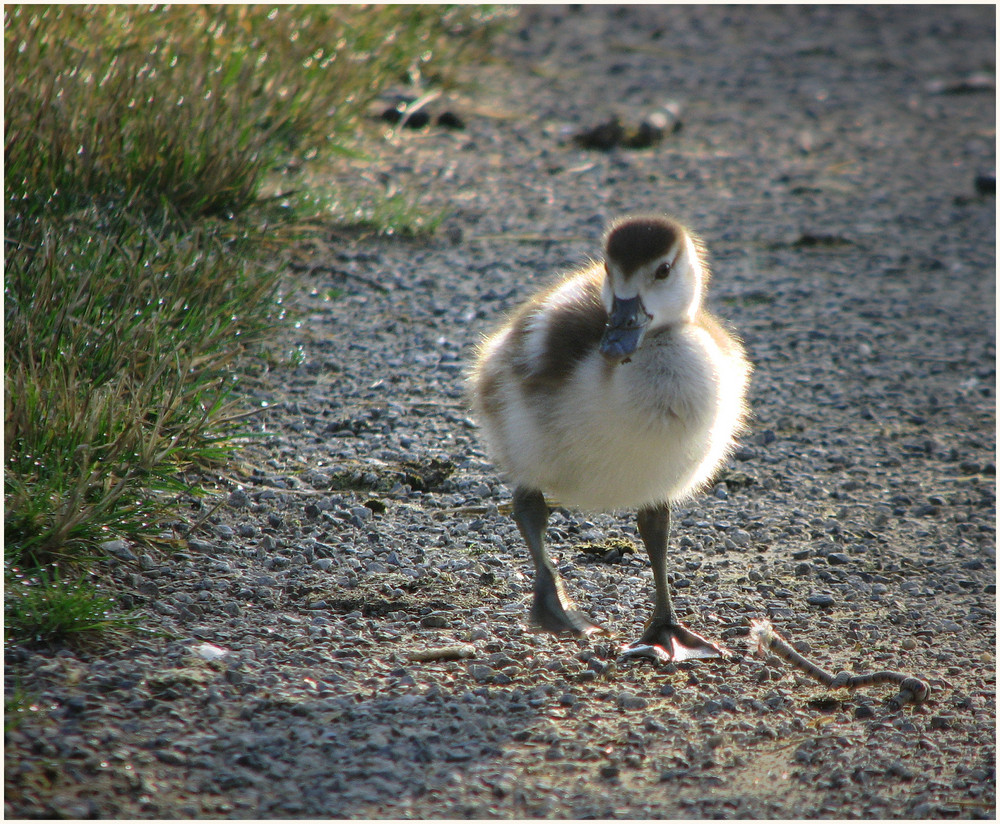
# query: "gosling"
614,389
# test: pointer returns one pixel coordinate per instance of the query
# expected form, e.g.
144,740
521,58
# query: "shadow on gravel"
361,756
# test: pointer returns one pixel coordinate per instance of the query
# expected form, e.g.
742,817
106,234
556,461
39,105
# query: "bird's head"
654,279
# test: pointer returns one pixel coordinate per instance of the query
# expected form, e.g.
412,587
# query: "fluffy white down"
649,431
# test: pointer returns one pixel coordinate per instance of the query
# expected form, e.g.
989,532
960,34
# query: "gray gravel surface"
828,157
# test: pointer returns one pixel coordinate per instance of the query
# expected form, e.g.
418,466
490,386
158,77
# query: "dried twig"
911,690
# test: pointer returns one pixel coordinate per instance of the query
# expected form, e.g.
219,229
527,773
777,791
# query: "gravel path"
829,159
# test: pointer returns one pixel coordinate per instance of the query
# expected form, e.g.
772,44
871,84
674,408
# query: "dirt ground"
839,164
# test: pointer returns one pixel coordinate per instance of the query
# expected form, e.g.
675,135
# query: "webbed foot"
673,642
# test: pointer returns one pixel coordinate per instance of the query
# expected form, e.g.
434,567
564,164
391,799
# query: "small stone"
941,722
322,564
821,599
740,537
450,120
453,653
604,136
120,550
631,701
246,530
362,513
672,775
568,699
481,672
436,620
75,705
836,558
210,652
171,757
899,770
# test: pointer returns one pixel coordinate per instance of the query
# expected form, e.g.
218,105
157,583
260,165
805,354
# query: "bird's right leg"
552,609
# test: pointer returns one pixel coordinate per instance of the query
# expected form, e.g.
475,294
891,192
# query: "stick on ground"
911,690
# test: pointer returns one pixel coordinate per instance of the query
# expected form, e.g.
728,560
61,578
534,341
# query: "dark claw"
550,614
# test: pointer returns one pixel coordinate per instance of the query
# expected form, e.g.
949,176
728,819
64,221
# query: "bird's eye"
662,271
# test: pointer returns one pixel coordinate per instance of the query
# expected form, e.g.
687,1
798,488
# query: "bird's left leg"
665,638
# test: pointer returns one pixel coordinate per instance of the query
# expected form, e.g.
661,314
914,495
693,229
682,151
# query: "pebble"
740,537
120,550
481,672
210,652
631,701
238,499
361,513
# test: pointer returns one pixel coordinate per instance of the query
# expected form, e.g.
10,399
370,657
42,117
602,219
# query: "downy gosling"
614,389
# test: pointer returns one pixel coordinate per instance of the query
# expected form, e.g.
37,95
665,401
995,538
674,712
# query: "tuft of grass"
142,259
119,376
44,607
191,106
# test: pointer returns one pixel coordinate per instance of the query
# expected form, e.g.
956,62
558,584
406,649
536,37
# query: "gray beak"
625,329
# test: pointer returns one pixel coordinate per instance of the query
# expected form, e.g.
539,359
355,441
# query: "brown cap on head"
637,239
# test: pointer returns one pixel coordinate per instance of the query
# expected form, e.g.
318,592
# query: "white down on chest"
648,431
